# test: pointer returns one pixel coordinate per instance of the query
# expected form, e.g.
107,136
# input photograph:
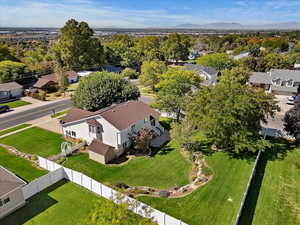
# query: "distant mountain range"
238,26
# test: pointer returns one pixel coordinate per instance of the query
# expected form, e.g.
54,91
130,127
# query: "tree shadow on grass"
34,206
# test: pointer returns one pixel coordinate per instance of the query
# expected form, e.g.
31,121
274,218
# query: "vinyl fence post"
101,189
164,219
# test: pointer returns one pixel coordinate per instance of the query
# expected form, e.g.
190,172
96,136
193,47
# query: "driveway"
277,121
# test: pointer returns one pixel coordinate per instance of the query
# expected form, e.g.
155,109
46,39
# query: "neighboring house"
209,74
277,81
108,130
111,68
10,90
11,194
49,81
241,56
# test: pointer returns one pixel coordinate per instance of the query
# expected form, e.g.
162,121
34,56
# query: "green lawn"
21,167
64,203
35,141
15,104
14,129
166,169
216,203
279,199
60,114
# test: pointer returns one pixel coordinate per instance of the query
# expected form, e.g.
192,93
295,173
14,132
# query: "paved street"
31,114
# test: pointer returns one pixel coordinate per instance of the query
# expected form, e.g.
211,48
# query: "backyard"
279,200
63,203
15,104
35,141
166,169
21,167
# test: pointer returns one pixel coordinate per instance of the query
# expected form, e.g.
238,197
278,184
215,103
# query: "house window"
5,201
98,130
92,129
289,83
1,204
68,133
133,128
276,82
73,133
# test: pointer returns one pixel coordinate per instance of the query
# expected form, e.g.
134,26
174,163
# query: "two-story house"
108,130
277,81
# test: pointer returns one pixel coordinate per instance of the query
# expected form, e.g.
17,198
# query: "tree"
219,61
36,60
150,48
130,73
183,134
292,121
231,112
176,47
174,89
76,47
62,78
131,58
151,71
12,71
142,140
277,61
107,212
6,53
102,89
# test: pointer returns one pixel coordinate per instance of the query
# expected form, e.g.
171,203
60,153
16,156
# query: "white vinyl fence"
58,172
43,182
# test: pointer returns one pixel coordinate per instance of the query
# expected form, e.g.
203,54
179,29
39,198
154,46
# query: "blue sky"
145,13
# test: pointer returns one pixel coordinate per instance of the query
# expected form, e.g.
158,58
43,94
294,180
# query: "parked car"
4,108
291,100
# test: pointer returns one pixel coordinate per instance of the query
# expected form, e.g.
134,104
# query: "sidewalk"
34,103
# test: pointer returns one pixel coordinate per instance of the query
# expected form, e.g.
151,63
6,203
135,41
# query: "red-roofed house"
108,130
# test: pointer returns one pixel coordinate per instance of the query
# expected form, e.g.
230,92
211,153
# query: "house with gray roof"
10,90
209,74
11,194
277,81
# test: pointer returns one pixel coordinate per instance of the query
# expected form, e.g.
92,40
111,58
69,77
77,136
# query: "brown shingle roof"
120,116
9,86
76,114
9,181
93,122
128,113
99,148
52,77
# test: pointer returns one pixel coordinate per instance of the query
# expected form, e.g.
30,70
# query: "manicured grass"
59,114
14,129
217,202
64,203
279,199
166,169
19,166
15,104
35,141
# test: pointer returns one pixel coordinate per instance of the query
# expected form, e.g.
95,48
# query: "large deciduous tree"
219,61
6,53
76,48
231,112
292,121
12,71
174,90
151,71
150,48
102,89
176,47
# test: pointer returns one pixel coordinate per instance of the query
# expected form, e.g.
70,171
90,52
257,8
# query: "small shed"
11,194
100,152
10,90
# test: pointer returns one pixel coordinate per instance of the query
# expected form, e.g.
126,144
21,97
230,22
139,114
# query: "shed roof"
99,147
9,181
10,86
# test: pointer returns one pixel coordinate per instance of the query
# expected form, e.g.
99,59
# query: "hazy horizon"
141,14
